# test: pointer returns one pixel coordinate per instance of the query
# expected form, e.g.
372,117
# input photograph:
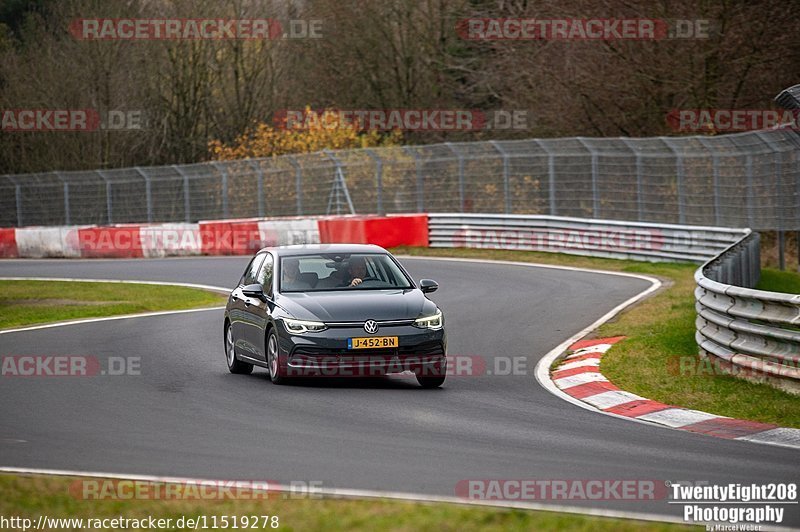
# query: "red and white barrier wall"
215,237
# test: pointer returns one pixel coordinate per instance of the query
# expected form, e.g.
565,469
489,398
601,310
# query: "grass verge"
660,333
32,496
32,302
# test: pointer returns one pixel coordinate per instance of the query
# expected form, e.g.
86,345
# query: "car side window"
251,272
265,273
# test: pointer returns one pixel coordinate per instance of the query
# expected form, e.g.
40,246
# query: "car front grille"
427,349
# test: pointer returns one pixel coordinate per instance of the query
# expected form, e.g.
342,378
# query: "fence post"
17,198
109,203
460,175
224,174
378,179
65,183
506,169
551,171
595,170
148,192
679,177
781,196
259,186
715,179
420,191
298,183
749,170
639,185
187,206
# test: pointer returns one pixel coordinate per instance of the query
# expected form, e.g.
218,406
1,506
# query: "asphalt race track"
185,415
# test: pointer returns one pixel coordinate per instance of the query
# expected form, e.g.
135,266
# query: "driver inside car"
356,272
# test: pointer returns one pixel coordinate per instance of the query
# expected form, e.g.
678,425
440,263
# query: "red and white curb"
579,376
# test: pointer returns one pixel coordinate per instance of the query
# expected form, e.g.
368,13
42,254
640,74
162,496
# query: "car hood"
358,305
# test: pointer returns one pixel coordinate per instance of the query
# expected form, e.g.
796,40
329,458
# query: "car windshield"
338,271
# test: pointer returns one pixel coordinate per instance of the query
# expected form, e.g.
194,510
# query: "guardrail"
752,334
749,333
579,236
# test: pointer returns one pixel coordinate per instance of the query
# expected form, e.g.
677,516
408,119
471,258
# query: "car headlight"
430,322
301,326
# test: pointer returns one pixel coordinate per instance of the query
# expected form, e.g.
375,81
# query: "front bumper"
420,351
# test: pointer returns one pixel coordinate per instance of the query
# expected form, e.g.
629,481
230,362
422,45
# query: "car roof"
304,249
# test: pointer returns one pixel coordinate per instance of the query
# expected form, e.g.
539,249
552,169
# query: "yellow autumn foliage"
266,140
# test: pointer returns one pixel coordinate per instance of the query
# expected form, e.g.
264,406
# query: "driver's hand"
355,282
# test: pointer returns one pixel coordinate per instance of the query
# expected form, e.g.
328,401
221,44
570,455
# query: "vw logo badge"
371,326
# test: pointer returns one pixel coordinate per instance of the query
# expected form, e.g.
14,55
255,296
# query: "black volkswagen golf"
334,310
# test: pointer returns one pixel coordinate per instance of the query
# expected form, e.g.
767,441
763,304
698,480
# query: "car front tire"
437,377
276,374
234,365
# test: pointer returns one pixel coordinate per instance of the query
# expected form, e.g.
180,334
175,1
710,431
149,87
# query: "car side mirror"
255,291
428,285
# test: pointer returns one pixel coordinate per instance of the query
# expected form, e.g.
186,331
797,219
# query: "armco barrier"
39,242
217,237
167,240
114,242
392,231
228,237
8,244
579,236
750,333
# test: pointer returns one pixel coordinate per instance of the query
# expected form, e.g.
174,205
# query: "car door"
259,310
239,310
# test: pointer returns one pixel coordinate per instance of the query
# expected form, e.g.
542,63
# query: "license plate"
372,342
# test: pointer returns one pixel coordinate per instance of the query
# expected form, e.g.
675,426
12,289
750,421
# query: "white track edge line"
352,493
542,370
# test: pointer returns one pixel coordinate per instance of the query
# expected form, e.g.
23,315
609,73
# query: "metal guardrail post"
187,205
420,189
109,202
259,186
378,180
298,183
680,177
65,184
551,173
595,184
506,172
224,175
460,175
639,185
148,192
